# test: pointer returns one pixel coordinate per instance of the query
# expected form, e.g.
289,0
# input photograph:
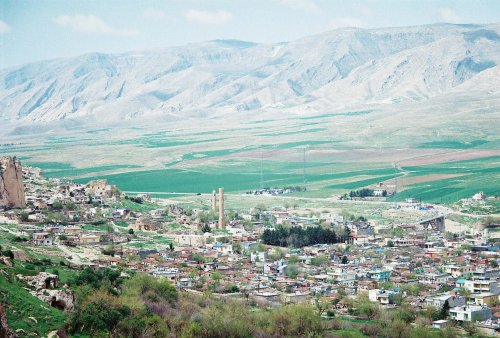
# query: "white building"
438,301
433,278
470,313
457,271
384,297
343,276
482,286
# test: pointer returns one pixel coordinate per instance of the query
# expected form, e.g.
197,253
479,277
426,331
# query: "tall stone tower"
214,201
11,183
221,209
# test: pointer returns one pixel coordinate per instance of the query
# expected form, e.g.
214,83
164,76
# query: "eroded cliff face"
11,183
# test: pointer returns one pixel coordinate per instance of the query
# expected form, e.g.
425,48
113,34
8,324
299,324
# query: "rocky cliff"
11,183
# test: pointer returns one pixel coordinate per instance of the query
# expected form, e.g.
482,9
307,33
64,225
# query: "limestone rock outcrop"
42,281
11,183
63,300
45,285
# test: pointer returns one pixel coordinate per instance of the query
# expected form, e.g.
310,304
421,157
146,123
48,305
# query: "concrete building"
343,276
470,313
438,301
379,275
433,278
483,298
384,297
90,239
481,286
42,239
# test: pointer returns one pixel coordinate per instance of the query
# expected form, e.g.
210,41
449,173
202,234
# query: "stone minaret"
214,201
221,208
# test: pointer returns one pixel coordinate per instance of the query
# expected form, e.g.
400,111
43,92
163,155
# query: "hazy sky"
43,29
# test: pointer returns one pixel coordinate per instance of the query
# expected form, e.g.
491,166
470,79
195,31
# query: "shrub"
99,312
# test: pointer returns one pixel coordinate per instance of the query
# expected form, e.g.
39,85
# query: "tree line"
298,236
365,192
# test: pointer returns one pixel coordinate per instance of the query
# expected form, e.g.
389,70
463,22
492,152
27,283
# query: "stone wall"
11,183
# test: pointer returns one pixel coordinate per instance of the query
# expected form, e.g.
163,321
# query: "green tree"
293,259
445,310
292,271
237,247
57,205
24,216
198,258
320,260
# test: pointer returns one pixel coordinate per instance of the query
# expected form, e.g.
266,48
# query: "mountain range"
420,68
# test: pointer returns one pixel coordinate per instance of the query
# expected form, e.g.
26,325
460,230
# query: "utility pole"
395,184
304,167
261,169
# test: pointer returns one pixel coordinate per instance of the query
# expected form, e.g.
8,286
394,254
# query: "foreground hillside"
144,306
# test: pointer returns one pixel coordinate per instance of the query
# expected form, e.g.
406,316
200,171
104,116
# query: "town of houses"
93,226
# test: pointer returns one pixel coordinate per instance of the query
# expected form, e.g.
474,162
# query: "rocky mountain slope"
338,70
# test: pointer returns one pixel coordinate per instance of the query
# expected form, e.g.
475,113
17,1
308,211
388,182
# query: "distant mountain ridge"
322,73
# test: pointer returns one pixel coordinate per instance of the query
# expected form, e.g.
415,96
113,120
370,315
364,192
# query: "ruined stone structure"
101,188
221,224
11,183
42,281
144,223
214,201
44,284
435,223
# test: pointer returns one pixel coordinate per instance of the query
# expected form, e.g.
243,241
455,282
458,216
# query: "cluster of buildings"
425,267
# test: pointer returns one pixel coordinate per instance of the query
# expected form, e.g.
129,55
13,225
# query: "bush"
57,205
108,252
295,321
155,289
99,312
19,239
24,217
8,253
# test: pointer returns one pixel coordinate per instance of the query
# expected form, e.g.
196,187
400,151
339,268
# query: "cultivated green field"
317,151
478,175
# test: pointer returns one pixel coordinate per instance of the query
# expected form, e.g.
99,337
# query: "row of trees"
299,236
365,192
